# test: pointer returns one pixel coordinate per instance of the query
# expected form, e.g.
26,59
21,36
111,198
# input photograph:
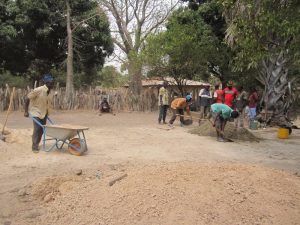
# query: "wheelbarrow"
71,135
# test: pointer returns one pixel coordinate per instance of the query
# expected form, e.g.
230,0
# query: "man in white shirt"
38,102
163,103
205,100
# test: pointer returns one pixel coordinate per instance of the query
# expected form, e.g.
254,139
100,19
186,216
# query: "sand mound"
206,129
181,193
16,135
47,189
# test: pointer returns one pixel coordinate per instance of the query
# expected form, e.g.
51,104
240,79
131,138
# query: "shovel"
188,121
2,137
227,139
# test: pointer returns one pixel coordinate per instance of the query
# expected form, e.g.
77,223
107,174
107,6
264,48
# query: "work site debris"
112,182
78,172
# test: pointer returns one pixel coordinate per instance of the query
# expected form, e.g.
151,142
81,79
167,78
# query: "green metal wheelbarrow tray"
71,135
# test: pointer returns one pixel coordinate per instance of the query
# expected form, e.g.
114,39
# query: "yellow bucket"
283,133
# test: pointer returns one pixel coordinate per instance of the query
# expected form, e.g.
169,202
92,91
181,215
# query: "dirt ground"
166,176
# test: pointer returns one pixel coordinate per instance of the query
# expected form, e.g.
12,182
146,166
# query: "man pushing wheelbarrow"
38,102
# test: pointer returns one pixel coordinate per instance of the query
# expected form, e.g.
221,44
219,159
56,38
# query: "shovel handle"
215,127
198,118
9,108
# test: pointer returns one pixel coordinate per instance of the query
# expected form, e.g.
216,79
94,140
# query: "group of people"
223,105
236,98
177,106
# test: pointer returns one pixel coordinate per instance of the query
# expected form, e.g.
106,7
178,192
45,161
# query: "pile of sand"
46,189
179,193
16,135
206,129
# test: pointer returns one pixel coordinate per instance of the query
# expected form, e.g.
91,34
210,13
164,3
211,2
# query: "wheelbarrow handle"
36,121
50,121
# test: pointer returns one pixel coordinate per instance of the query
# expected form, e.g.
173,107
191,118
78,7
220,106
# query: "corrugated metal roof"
171,81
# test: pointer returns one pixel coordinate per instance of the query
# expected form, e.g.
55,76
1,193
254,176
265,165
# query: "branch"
123,48
122,30
158,23
97,13
118,58
135,9
144,11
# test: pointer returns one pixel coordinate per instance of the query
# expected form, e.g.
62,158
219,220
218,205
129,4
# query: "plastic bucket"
253,125
283,133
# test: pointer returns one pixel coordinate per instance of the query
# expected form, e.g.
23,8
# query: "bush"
12,80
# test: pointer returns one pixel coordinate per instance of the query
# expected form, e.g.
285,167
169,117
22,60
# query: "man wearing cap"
38,102
177,107
230,94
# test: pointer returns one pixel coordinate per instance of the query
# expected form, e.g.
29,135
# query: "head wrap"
47,78
188,98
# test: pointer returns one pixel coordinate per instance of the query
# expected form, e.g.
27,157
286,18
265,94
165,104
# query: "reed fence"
120,99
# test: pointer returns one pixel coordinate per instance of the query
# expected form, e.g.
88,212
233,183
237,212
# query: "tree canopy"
258,30
266,35
192,46
33,36
182,51
132,22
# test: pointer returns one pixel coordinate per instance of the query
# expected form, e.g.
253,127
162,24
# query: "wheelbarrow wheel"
76,148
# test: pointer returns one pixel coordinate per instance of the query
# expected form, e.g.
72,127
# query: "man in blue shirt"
221,113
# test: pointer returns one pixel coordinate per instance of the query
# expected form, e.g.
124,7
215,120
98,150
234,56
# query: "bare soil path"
133,143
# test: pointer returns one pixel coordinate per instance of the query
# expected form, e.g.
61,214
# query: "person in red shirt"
218,94
230,94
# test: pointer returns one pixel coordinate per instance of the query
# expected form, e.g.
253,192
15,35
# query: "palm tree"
264,34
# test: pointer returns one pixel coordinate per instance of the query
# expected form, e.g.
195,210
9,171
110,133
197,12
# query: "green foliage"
182,51
193,40
92,40
109,77
13,81
34,34
212,14
261,29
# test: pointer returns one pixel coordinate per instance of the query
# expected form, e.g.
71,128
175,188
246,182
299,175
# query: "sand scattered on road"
173,193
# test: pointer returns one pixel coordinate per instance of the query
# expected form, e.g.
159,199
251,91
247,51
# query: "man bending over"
221,113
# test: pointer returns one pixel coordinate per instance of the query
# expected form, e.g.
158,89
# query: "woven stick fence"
88,99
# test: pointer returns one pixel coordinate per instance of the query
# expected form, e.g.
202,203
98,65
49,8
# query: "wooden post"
9,108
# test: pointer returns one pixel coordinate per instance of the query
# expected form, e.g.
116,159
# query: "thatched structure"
188,86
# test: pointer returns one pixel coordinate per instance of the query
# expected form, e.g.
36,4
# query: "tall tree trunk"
69,81
135,84
277,96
